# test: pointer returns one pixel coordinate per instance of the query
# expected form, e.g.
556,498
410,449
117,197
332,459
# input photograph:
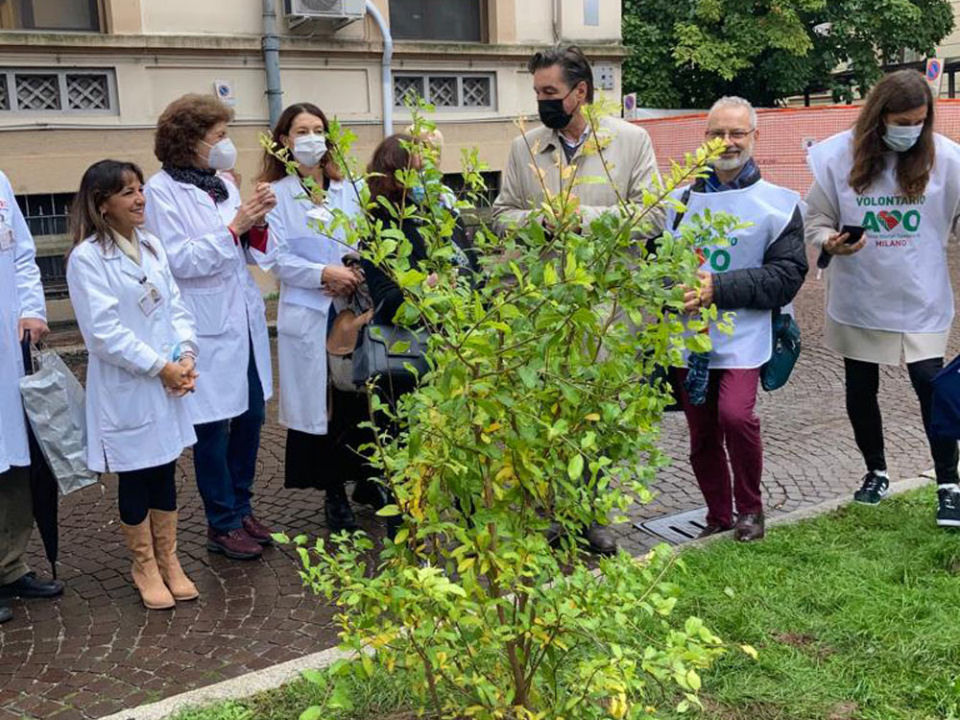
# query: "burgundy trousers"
725,435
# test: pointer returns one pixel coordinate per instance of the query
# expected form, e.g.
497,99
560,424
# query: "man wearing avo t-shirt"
757,271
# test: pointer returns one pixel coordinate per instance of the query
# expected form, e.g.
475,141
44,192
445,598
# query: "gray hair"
735,101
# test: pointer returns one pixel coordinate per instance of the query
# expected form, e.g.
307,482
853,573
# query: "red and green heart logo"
891,219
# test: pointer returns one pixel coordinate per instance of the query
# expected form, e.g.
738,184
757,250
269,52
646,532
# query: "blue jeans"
225,459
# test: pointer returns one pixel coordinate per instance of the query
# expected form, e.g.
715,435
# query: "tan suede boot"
146,574
164,526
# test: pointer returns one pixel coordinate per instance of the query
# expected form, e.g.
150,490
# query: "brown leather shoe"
257,530
235,544
713,529
749,527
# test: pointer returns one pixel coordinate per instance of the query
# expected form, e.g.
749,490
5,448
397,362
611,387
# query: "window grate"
88,92
443,91
53,275
49,90
405,86
37,92
46,213
447,91
476,91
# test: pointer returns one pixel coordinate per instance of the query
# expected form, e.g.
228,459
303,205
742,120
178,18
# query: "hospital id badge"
150,300
6,237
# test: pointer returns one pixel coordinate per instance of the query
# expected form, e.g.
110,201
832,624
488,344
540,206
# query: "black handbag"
396,355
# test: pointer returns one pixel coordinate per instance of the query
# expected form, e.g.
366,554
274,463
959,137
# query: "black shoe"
372,493
29,586
554,534
600,540
874,489
5,614
749,527
948,505
338,512
713,529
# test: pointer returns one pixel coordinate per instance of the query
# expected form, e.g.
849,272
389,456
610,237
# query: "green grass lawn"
855,615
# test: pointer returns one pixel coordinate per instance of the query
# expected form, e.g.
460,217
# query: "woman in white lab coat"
210,235
142,349
320,450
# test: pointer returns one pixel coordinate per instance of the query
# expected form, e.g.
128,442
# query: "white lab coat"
297,256
217,289
21,296
132,422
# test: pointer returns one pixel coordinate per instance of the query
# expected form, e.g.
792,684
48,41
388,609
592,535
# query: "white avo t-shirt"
899,281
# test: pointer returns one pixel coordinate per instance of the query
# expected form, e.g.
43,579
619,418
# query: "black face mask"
552,113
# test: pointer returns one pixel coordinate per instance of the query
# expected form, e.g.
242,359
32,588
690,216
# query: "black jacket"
778,280
386,295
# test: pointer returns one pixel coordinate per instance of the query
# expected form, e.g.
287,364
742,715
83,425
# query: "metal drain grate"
676,528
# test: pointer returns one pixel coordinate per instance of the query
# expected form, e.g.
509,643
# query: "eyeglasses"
732,134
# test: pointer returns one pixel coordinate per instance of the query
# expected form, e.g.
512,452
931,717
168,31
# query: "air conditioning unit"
347,10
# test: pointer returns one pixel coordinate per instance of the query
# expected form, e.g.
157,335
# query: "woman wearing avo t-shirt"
888,292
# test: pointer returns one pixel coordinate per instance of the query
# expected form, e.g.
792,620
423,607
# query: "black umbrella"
43,485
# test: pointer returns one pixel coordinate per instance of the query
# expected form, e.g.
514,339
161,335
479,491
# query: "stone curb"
234,689
277,675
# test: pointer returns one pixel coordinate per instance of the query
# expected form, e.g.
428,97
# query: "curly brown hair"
272,169
897,92
183,124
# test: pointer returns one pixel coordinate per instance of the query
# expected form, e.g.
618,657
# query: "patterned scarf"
206,180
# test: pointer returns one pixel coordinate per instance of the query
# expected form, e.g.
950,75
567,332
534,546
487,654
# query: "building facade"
82,80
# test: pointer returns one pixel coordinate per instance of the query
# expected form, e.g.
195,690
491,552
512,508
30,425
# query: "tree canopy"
686,53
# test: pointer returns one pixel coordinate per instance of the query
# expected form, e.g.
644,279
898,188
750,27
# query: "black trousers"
862,385
141,490
324,461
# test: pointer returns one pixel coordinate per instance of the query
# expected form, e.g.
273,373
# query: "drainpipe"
386,79
271,60
555,11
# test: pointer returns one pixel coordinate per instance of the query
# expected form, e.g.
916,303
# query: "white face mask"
308,150
901,138
223,155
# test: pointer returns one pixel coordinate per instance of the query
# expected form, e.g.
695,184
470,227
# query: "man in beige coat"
563,82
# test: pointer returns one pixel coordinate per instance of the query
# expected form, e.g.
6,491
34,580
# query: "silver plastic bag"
54,401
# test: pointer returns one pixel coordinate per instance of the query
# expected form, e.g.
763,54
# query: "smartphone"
854,231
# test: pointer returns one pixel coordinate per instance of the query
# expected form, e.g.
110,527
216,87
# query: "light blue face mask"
417,194
901,138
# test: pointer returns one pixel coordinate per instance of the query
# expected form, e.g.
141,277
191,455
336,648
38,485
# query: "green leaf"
388,511
575,467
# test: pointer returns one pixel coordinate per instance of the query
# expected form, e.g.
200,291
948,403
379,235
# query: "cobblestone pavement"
96,650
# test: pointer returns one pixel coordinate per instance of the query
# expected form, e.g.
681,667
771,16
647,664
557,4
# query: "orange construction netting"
784,135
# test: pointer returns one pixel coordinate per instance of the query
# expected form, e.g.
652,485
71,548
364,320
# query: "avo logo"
887,220
718,258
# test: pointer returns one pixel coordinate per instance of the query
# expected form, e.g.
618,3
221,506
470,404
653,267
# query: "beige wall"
52,161
161,49
535,22
213,17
